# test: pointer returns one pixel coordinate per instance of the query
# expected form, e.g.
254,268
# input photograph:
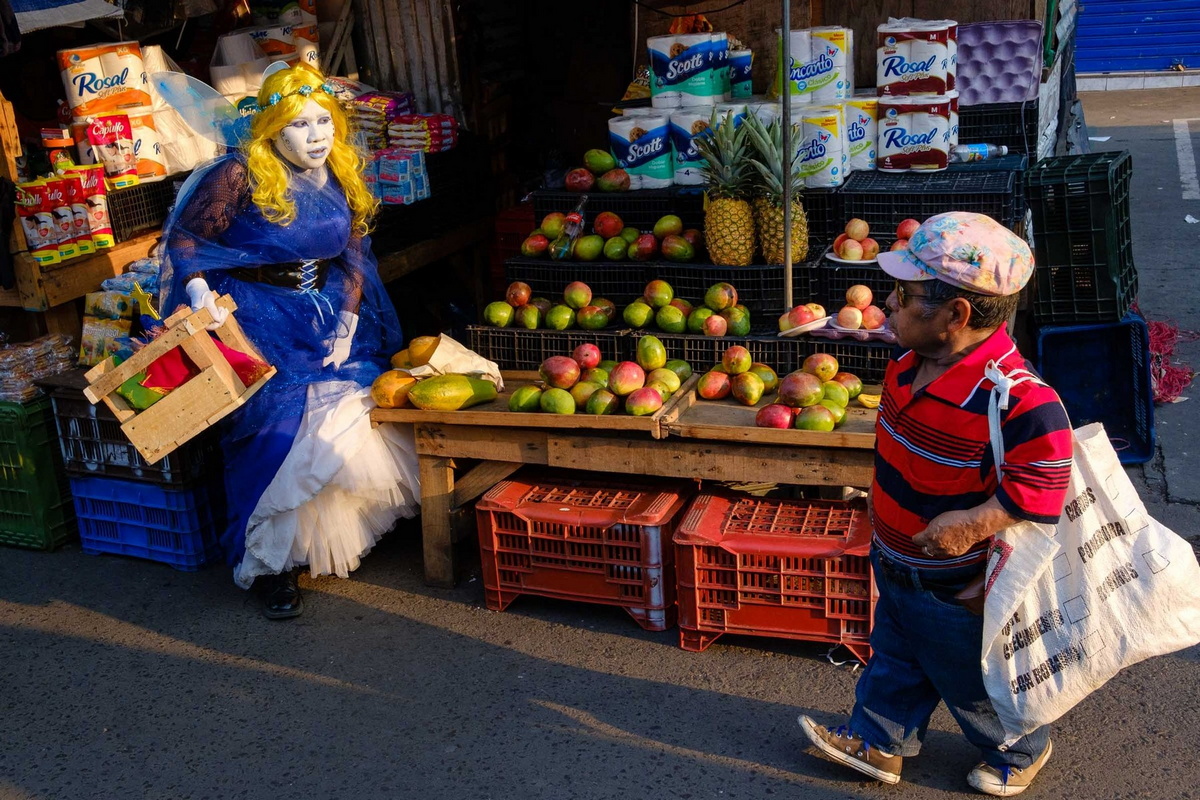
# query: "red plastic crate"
797,569
587,540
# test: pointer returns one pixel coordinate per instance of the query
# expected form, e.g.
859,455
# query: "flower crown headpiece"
303,91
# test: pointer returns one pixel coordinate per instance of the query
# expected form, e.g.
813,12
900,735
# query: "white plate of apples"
802,319
855,245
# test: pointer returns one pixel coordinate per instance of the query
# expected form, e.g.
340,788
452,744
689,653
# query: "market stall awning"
34,15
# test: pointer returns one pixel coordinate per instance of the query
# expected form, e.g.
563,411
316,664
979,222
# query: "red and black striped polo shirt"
933,453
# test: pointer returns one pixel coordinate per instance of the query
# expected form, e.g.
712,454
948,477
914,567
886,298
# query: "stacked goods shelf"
1083,238
1102,373
797,569
179,527
589,540
35,501
521,349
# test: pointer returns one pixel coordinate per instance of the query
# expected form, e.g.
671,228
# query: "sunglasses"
903,295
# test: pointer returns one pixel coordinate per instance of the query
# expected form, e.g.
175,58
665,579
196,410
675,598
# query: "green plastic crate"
1081,231
35,500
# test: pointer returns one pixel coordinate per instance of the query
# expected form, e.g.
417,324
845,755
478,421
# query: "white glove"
200,296
340,346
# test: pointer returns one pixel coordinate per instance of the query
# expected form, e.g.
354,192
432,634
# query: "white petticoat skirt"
341,487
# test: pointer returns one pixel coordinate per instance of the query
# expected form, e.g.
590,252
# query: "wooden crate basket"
192,407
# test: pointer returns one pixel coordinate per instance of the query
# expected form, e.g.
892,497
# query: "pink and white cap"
967,250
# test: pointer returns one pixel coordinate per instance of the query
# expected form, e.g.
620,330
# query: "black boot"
280,595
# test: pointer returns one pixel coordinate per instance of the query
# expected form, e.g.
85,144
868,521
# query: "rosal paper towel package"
823,146
913,57
741,73
833,46
861,115
306,39
686,124
642,147
914,132
681,70
103,78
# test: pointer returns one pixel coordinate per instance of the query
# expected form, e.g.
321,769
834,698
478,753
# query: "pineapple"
767,143
728,220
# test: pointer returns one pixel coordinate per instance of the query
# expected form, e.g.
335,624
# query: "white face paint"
306,140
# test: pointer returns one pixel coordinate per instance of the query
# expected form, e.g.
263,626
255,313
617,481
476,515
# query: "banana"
869,400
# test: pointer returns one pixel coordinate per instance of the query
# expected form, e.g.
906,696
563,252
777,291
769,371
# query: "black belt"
308,274
903,578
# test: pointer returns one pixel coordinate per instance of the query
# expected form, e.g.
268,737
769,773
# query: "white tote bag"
1070,605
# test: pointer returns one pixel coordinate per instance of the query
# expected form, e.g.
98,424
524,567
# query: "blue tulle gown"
344,484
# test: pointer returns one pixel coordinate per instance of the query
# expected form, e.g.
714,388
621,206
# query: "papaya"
390,389
402,360
451,393
420,349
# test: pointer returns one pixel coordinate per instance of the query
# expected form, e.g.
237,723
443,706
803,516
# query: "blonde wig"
269,173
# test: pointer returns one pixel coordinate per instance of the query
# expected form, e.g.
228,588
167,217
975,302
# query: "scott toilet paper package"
642,147
681,70
686,125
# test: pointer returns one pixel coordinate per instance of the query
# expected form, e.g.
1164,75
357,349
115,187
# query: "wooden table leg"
437,535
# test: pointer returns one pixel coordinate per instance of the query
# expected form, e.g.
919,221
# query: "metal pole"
785,56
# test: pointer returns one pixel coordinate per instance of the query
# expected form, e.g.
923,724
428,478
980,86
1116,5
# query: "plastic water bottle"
560,248
963,153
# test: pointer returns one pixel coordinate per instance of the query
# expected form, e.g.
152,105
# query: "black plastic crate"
884,199
619,281
760,287
1012,124
638,209
824,217
1016,163
140,207
520,348
867,360
1102,374
1083,237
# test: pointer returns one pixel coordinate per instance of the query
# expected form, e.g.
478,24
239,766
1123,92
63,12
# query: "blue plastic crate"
1102,374
173,526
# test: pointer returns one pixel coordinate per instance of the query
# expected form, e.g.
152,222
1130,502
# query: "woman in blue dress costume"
281,226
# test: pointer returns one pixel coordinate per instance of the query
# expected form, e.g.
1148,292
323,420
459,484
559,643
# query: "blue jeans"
927,648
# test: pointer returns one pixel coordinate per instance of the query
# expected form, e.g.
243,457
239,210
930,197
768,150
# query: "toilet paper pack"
681,70
686,125
642,147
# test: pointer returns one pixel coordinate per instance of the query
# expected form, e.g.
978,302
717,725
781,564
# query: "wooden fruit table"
687,438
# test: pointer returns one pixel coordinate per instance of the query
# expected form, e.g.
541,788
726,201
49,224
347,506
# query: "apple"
852,250
873,318
837,243
587,356
850,317
817,309
870,248
899,244
801,315
859,296
858,229
907,228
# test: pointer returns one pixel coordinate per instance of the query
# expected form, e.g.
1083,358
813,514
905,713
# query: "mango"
525,399
815,418
603,402
643,402
402,360
713,386
650,353
638,314
736,360
557,401
670,319
596,375
666,377
560,318
852,382
838,411
582,392
746,388
720,296
737,321
591,318
768,376
801,389
836,392
680,367
451,393
625,378
499,314
695,321
559,372
599,161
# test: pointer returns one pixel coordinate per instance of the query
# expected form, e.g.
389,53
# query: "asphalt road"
126,679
